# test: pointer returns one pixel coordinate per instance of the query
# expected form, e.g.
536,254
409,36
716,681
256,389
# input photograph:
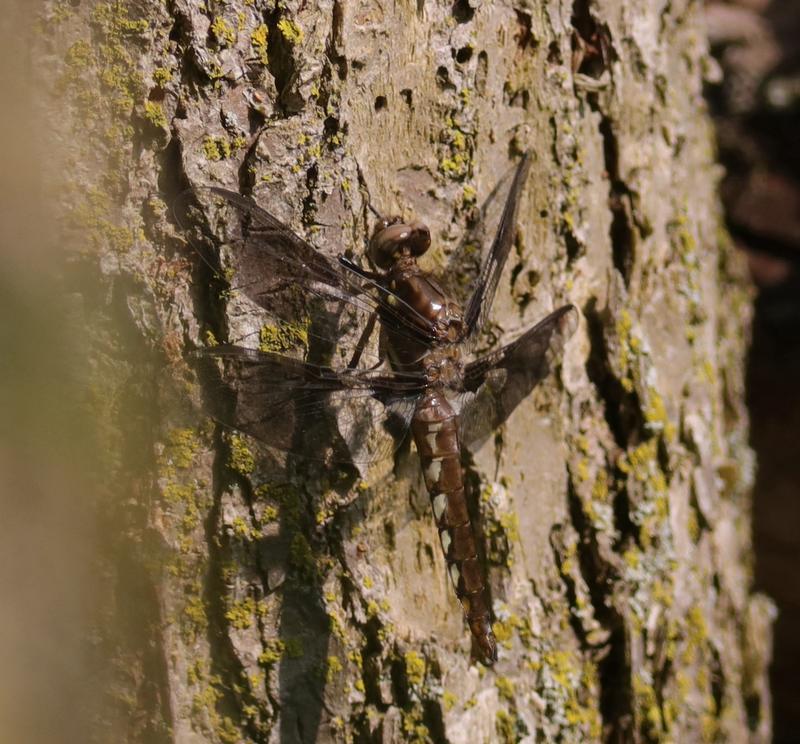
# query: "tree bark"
246,602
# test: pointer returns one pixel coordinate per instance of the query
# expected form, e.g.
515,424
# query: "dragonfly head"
394,239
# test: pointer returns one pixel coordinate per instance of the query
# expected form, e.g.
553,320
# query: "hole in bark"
481,72
331,126
717,678
170,177
593,569
590,42
573,245
443,78
524,36
462,12
407,95
380,103
432,717
283,66
554,54
337,28
178,31
621,233
388,531
519,97
309,203
400,682
616,699
464,55
622,410
752,705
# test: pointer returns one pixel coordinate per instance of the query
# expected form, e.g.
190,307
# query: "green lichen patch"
243,531
194,617
180,448
456,162
415,668
290,31
505,688
333,668
449,700
415,731
241,614
259,38
94,216
502,532
509,623
162,76
509,727
569,687
206,716
272,653
301,560
223,32
241,458
216,148
685,245
283,337
154,113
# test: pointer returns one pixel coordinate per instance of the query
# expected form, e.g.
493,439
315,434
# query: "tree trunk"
244,602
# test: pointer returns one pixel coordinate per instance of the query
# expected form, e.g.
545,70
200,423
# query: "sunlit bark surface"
250,598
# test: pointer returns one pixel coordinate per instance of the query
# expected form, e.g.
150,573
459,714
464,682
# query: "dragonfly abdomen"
435,429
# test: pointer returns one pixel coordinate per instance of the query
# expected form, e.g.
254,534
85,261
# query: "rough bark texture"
247,602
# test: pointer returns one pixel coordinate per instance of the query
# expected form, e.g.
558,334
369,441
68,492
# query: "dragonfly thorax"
443,366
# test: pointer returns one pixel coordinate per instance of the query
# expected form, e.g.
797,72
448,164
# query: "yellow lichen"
216,148
505,726
241,458
259,39
194,620
240,614
290,31
415,668
155,114
162,76
282,337
505,688
223,31
334,666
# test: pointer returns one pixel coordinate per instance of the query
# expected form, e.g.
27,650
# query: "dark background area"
755,99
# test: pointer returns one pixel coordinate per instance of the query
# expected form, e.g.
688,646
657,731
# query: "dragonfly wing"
496,383
306,409
482,296
287,276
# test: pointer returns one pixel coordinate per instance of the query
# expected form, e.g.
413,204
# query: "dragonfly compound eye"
419,239
388,242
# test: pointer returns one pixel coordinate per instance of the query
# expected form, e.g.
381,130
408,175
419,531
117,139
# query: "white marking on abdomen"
433,471
439,504
446,540
454,574
430,438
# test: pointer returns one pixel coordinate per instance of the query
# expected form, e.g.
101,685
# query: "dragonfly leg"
362,342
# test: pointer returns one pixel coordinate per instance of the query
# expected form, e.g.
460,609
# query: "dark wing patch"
283,273
496,383
481,300
310,410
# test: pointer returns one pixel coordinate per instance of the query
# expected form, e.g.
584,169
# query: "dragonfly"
424,376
